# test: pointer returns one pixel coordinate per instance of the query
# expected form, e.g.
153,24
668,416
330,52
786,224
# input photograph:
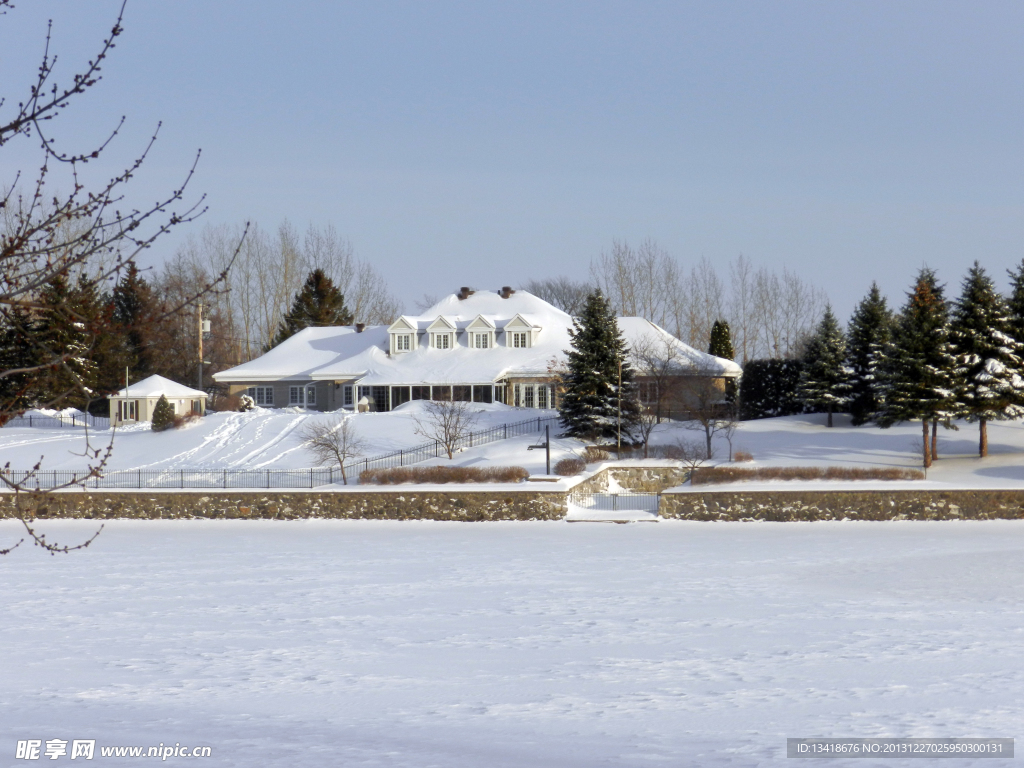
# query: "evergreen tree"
824,383
770,387
134,310
18,391
318,304
989,355
920,372
869,334
163,415
1015,303
721,341
65,344
589,406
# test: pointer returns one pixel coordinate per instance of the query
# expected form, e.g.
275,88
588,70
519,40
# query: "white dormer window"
441,340
403,342
480,340
519,339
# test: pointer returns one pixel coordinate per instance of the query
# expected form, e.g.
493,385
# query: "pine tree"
318,304
134,307
1015,302
18,391
993,388
824,383
920,371
770,387
589,407
721,341
163,415
869,334
65,344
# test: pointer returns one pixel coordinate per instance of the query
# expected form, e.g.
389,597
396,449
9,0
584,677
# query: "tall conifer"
589,406
721,341
823,385
920,372
318,304
869,334
992,385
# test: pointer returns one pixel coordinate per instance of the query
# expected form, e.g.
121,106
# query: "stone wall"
396,505
843,505
644,479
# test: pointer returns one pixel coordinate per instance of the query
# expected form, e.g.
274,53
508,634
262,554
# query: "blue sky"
485,144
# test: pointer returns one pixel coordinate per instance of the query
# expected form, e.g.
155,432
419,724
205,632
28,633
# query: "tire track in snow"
220,436
284,433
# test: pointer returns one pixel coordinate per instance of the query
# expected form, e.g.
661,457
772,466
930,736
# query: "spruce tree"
1015,302
721,341
823,385
163,415
992,386
134,310
589,407
318,304
65,341
18,391
869,334
920,371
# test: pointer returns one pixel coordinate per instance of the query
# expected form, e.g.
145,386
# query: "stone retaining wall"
843,505
397,505
640,479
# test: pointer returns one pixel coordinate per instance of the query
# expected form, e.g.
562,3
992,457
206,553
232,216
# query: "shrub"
187,418
713,475
570,466
593,454
440,474
246,403
770,388
163,415
742,456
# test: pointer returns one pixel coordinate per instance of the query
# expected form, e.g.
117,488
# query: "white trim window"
517,394
542,396
347,391
441,340
520,340
261,395
311,394
403,342
528,396
481,340
296,395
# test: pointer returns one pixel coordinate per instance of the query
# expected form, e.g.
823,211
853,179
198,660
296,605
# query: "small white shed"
136,402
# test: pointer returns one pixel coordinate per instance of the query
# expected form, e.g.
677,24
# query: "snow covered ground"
363,643
270,439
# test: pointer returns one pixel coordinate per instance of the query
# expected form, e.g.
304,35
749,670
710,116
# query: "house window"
516,393
542,396
311,395
261,395
519,340
347,395
442,340
528,393
296,395
421,393
480,340
403,342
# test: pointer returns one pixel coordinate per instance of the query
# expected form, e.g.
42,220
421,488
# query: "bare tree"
88,230
709,408
741,307
562,292
641,282
446,421
332,442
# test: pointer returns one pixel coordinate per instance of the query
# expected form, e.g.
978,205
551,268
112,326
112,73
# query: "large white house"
481,346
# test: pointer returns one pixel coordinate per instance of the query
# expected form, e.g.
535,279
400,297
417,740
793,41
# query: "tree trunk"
927,452
830,415
983,444
707,432
935,439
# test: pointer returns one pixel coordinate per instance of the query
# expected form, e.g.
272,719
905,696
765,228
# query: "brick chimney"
360,327
506,291
464,293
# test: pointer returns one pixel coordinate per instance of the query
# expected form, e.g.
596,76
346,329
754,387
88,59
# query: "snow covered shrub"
570,466
593,454
246,403
712,475
397,475
186,419
163,415
742,456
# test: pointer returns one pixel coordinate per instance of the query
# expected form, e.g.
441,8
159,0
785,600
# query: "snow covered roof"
643,336
307,351
155,386
333,354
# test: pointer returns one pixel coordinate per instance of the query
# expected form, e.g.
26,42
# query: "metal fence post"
268,478
225,478
310,477
181,478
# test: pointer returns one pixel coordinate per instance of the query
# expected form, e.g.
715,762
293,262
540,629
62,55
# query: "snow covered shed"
481,346
136,402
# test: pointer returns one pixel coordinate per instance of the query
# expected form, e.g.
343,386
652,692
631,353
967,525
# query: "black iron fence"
262,478
59,421
616,502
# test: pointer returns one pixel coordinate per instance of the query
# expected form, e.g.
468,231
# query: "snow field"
364,643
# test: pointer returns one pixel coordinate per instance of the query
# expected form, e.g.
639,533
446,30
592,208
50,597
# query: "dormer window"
441,340
403,342
519,339
481,340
